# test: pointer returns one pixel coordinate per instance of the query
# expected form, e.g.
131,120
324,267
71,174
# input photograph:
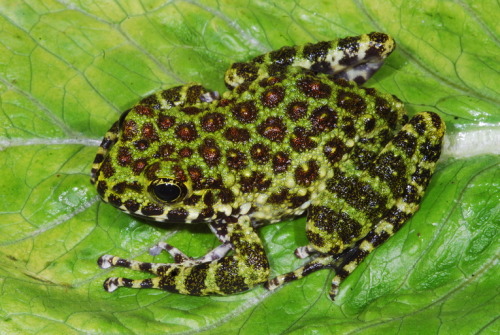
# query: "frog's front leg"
354,58
355,214
230,274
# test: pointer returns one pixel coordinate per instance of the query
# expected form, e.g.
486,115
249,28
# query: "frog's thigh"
351,206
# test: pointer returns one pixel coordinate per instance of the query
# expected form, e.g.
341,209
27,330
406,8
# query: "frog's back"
265,150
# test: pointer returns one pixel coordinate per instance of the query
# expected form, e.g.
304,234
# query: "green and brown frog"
295,133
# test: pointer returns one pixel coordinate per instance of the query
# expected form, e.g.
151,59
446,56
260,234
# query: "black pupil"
167,192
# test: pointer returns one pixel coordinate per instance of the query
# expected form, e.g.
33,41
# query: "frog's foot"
180,257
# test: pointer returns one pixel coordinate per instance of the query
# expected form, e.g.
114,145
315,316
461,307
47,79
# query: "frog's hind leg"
357,213
405,167
354,58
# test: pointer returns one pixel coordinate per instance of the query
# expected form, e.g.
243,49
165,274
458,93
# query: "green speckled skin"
295,132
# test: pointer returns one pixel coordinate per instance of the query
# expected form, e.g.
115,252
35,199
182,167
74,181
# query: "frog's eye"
167,190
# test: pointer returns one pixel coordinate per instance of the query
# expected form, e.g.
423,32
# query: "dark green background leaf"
67,70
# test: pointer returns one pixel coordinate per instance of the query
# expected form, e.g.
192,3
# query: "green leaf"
67,70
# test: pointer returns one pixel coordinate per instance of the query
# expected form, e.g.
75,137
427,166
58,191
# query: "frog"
296,133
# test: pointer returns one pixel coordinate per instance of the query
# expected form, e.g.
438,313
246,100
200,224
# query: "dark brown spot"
179,174
152,209
298,200
323,119
283,56
380,38
151,101
350,46
436,120
247,71
226,196
209,199
279,197
120,188
296,110
185,152
256,182
141,145
234,134
149,132
322,67
245,112
348,127
369,91
301,141
165,151
305,174
114,200
190,110
224,102
124,156
384,110
405,141
186,132
281,161
260,153
334,150
107,143
342,82
138,165
196,176
273,129
206,212
129,130
212,122
106,168
131,206
210,152
370,124
151,171
165,121
172,95
193,94
269,81
177,215
272,96
243,88
143,110
102,186
236,159
351,102
315,239
317,51
430,151
314,88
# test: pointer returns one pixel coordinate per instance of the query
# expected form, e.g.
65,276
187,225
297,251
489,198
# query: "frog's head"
162,190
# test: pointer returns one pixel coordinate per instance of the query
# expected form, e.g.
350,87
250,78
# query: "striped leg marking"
181,258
